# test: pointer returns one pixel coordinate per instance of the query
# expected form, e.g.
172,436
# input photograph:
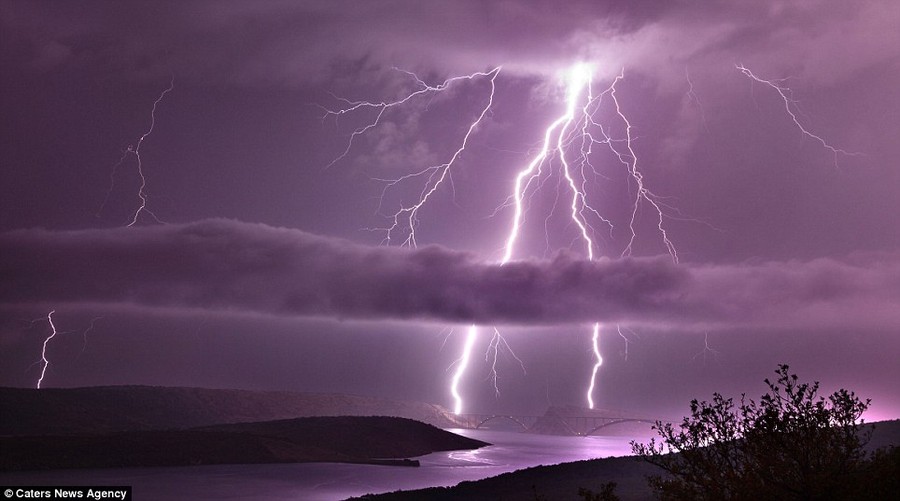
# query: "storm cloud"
788,253
286,43
227,266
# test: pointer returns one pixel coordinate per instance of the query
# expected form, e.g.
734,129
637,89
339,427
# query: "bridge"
583,425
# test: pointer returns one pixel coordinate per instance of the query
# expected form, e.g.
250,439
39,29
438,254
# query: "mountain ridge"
104,409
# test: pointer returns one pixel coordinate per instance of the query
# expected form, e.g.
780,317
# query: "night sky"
266,266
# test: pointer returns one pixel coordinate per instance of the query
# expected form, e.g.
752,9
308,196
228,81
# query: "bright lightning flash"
576,128
598,361
44,359
462,363
405,219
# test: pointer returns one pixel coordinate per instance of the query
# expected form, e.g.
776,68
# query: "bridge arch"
618,421
499,416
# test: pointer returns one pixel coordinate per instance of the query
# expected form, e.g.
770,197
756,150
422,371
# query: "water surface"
330,481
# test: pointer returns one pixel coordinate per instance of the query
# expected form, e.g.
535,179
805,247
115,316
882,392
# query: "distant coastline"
141,426
377,440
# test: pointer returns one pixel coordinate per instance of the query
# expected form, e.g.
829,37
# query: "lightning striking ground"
574,130
135,150
598,361
568,142
44,360
461,366
578,80
405,219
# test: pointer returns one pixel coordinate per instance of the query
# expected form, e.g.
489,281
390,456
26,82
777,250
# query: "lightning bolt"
706,351
693,97
492,354
406,218
579,79
625,338
135,150
790,105
461,366
384,106
557,137
576,130
85,333
575,127
44,360
598,361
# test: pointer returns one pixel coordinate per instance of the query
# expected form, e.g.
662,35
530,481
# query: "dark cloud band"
222,265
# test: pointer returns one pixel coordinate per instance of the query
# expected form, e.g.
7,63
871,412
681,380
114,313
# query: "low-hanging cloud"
229,266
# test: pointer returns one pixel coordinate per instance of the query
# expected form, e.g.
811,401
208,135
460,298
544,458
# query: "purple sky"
267,273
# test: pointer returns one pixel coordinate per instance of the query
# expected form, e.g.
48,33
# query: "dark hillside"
379,436
557,482
562,481
352,439
130,408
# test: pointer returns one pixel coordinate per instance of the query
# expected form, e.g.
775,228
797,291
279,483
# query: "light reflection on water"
327,481
473,457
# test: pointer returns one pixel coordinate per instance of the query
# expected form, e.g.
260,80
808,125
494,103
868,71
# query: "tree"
791,444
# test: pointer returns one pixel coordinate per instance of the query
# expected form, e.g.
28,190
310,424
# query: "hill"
562,481
557,482
134,408
350,439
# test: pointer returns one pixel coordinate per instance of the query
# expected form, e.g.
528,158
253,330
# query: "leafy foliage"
791,444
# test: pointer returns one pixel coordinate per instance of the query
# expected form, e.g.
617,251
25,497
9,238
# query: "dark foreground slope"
131,408
562,481
351,439
557,482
